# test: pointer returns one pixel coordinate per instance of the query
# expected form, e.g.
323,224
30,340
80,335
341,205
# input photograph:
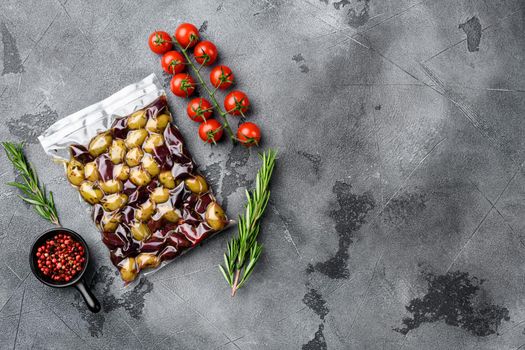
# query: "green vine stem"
210,93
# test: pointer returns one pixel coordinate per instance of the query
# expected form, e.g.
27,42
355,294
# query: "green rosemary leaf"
51,198
41,211
226,275
255,253
31,201
21,187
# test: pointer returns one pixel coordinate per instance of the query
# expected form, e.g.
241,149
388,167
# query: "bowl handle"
91,301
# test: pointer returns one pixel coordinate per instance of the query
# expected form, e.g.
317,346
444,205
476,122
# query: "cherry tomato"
199,109
210,131
172,62
182,85
249,134
187,35
221,77
159,42
236,103
205,53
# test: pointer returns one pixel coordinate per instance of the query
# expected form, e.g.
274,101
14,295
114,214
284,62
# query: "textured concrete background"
398,205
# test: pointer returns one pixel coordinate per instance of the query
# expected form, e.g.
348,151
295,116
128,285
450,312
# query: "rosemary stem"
55,220
235,282
33,191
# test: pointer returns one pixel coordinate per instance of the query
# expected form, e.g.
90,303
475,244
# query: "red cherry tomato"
236,103
199,109
172,62
159,42
221,77
205,53
249,134
187,35
210,131
182,85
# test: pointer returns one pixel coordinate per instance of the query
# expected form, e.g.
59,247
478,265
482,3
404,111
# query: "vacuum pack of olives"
130,163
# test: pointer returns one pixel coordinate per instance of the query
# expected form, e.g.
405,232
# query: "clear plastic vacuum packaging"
130,163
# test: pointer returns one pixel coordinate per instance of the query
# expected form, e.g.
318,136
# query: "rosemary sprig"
244,251
35,193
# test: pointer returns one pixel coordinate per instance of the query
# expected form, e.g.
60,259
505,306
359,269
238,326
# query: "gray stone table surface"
398,207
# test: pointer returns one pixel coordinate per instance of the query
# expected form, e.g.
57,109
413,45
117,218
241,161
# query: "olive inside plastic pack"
130,163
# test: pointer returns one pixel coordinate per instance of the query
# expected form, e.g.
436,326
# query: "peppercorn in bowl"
59,258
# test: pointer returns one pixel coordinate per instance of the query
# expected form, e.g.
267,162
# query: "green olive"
110,222
139,177
128,269
134,156
145,211
100,144
75,172
171,215
153,141
162,121
140,231
146,260
114,201
160,195
137,120
215,216
196,184
166,211
166,179
91,171
150,165
121,172
159,123
117,151
136,138
90,193
110,186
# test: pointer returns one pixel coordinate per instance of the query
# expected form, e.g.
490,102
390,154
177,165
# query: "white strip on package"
80,127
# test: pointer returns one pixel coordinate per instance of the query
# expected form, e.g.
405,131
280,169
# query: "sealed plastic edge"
83,125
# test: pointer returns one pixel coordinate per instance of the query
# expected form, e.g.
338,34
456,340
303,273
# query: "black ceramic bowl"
77,282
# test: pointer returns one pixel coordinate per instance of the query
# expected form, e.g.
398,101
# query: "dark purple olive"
105,167
168,253
120,128
178,241
152,246
80,153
